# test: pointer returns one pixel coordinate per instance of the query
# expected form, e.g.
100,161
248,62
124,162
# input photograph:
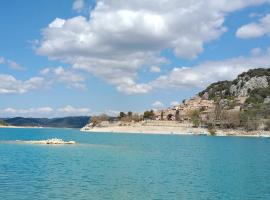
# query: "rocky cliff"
249,93
252,84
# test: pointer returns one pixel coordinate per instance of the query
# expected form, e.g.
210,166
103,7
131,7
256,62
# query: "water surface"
132,166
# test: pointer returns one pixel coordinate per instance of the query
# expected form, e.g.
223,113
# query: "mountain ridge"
59,122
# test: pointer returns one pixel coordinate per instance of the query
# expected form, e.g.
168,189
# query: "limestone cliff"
243,86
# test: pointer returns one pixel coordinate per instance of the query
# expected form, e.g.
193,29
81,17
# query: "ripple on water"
122,166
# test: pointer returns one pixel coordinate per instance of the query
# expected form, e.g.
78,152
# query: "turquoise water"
133,166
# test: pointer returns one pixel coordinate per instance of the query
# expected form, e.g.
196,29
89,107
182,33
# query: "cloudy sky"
83,57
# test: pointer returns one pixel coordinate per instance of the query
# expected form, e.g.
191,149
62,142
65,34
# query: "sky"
86,57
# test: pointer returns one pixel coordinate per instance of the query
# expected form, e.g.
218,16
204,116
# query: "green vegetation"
149,115
162,115
254,113
267,125
212,130
223,117
177,115
95,120
62,122
129,114
229,111
122,114
195,117
257,96
129,117
252,117
230,119
221,89
218,90
256,72
3,123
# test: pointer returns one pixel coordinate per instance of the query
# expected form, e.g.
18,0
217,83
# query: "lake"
132,166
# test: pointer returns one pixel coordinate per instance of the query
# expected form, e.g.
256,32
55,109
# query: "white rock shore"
168,128
53,141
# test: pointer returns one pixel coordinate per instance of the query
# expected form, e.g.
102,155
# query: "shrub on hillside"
195,117
95,120
257,96
3,123
149,115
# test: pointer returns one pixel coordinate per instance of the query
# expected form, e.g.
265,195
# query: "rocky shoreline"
53,141
9,126
172,128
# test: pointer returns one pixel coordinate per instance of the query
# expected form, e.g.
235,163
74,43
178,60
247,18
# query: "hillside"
3,123
64,122
242,104
254,84
250,91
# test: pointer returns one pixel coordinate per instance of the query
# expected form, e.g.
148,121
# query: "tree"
95,120
218,110
177,115
230,119
3,123
212,131
129,117
162,115
149,114
195,117
129,114
136,117
122,114
104,117
267,125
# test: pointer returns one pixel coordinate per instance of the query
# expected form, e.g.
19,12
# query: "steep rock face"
246,84
266,100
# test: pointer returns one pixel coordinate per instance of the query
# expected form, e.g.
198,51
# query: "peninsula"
239,108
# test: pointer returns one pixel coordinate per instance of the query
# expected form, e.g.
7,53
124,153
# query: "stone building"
181,112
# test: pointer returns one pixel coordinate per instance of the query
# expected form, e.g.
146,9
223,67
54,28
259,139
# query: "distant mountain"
63,122
2,123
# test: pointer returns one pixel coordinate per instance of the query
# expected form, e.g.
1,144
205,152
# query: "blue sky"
67,57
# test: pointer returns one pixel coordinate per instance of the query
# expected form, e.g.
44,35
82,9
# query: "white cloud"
72,111
254,30
120,37
206,73
155,69
256,51
14,65
30,112
71,78
57,23
254,14
78,5
128,86
174,103
46,111
198,76
45,71
112,113
158,104
10,85
2,60
11,63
